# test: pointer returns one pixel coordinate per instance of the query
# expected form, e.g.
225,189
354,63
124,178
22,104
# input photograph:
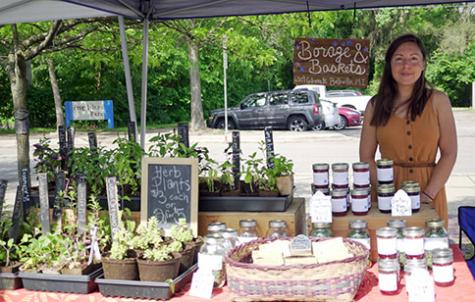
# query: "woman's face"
407,64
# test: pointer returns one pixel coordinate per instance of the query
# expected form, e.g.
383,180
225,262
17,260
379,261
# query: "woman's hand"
426,198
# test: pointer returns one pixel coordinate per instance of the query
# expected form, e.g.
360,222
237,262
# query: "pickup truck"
343,98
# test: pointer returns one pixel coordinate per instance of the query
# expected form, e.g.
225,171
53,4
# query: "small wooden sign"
170,191
331,62
92,140
301,246
82,218
71,133
25,184
269,141
401,204
44,202
132,131
3,190
320,208
113,203
58,200
17,217
236,158
184,134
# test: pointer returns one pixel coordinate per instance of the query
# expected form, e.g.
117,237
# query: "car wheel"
220,124
319,127
342,123
297,123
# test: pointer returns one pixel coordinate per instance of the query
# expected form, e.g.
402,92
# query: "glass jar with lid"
321,230
384,171
385,195
436,236
386,240
321,174
324,189
339,202
277,229
340,175
416,263
359,201
388,276
399,225
211,257
247,230
359,232
230,237
413,242
361,175
216,227
413,191
442,267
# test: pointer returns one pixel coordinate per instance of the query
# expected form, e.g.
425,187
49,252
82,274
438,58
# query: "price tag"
321,208
202,284
420,286
401,204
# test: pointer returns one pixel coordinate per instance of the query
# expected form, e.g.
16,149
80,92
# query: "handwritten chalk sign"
82,218
170,191
269,141
236,157
184,135
25,184
3,190
92,138
113,203
331,62
44,202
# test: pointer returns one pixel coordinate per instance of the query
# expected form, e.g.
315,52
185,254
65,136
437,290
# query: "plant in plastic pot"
183,235
251,173
121,263
9,250
283,171
228,187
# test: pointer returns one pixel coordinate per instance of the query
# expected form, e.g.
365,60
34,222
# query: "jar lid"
358,224
340,166
411,188
320,167
386,188
229,232
215,238
321,225
397,223
411,264
360,191
247,223
388,265
413,231
409,182
360,165
435,223
384,162
277,224
386,232
339,192
442,256
216,226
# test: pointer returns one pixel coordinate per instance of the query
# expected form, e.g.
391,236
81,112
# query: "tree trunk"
19,84
58,104
197,119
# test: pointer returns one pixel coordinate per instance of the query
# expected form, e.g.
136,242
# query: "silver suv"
286,109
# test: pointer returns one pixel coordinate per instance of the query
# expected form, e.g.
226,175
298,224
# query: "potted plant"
183,235
268,183
9,250
250,174
228,187
283,171
209,181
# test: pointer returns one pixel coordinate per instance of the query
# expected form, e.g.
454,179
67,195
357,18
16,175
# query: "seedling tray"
145,289
76,284
244,203
10,281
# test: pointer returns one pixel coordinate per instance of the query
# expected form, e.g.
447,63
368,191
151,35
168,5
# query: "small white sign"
420,286
88,110
401,204
320,208
202,284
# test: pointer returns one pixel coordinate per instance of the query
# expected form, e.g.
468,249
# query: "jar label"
339,205
415,201
210,262
385,175
443,273
436,243
320,178
359,204
340,178
384,203
386,246
365,241
361,178
387,282
245,239
414,246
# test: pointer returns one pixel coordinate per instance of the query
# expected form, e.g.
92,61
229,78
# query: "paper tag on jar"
420,286
401,204
202,284
320,208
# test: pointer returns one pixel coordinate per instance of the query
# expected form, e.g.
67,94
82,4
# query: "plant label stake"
92,141
82,223
63,148
71,134
184,135
269,146
44,202
58,198
17,216
131,131
3,190
25,189
236,159
94,252
113,203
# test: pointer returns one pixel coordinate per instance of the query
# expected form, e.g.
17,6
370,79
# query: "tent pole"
143,108
128,77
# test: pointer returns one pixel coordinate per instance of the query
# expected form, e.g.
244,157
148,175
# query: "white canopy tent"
19,11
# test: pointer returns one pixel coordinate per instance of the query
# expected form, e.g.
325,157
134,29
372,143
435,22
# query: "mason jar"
411,264
340,175
339,202
358,231
247,230
384,171
388,276
413,242
413,191
211,257
321,174
324,189
361,175
386,240
442,267
359,201
277,229
321,230
216,227
436,236
399,225
385,195
230,238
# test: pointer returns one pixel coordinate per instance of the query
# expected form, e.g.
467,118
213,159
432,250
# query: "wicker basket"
332,281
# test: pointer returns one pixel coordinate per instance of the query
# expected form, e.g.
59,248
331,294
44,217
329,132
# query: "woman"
410,123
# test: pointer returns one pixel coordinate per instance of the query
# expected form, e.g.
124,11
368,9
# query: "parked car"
343,92
347,117
293,110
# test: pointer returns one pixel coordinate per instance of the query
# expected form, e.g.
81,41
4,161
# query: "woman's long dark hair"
383,101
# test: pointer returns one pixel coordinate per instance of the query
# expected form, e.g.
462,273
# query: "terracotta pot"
125,269
285,184
159,271
187,258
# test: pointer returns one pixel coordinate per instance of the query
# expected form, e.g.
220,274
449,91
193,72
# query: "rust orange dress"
413,146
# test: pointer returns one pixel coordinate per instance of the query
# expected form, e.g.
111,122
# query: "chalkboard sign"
92,140
113,203
44,202
71,134
82,218
269,141
236,158
184,135
58,200
17,217
3,190
25,184
170,191
132,131
331,62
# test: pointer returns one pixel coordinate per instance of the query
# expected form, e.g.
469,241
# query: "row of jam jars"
358,231
413,191
389,280
384,171
385,195
321,230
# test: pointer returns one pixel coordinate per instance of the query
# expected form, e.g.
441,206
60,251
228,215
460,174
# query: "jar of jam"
388,276
413,190
413,242
411,264
384,171
361,175
386,240
277,229
442,267
340,175
216,227
359,202
324,189
339,202
247,230
359,232
321,230
436,236
399,225
321,174
385,195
